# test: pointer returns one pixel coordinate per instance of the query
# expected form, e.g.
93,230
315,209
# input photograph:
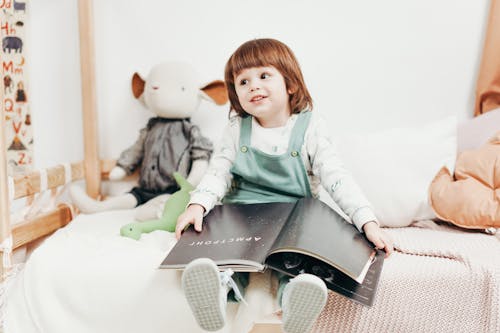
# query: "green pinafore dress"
259,177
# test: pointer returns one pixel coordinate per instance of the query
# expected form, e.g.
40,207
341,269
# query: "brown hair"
268,52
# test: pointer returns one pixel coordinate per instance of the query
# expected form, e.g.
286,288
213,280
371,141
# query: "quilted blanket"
441,279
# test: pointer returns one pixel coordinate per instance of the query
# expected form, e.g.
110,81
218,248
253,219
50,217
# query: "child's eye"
243,82
264,75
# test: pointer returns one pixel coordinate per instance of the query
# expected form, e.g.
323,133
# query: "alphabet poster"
18,127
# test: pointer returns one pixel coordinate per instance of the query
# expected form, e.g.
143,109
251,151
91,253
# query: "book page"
318,231
364,293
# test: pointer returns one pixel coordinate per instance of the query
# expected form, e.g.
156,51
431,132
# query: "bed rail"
37,183
31,185
41,180
41,225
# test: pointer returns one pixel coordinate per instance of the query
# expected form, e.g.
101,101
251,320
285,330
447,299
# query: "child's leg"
237,292
303,299
207,290
283,280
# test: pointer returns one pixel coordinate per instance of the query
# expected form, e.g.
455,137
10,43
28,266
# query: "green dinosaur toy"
175,206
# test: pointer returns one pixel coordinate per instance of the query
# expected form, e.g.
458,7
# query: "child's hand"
192,215
378,237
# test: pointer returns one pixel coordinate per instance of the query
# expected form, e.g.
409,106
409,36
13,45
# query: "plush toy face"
173,90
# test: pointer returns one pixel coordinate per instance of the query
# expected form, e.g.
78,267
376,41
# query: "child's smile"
257,99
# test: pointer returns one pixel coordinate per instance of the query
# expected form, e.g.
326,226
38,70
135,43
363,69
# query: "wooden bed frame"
29,185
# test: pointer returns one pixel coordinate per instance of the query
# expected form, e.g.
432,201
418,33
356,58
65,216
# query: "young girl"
273,150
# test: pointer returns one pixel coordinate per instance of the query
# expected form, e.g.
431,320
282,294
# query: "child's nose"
254,86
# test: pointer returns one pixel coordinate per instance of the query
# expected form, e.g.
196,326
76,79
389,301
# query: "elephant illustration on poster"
12,43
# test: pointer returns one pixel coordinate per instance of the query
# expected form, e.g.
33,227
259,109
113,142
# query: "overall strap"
298,131
246,131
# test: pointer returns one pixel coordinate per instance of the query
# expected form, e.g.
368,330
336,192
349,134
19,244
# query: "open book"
293,238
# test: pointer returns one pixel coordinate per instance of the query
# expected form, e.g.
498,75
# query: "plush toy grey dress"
164,146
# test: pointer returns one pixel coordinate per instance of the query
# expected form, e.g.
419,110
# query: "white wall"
54,81
368,64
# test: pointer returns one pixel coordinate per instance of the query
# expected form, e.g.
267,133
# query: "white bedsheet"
87,278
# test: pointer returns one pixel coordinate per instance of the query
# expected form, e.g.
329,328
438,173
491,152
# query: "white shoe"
304,298
205,294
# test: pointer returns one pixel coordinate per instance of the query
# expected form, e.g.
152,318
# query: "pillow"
395,167
472,199
475,132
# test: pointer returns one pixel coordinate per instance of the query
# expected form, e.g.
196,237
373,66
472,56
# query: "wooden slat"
266,328
29,184
45,224
106,166
87,66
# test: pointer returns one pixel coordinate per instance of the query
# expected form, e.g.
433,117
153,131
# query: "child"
273,150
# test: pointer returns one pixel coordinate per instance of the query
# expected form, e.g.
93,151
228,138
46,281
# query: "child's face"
262,93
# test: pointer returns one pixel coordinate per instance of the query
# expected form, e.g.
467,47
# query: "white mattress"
87,278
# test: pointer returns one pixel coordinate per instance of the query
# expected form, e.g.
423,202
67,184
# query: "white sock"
88,205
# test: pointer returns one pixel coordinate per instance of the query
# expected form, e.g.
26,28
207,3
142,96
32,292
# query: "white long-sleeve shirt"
319,156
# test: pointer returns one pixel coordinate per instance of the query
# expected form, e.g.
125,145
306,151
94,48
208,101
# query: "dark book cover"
233,235
294,238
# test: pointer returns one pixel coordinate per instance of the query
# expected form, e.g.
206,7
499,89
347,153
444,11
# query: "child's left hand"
378,237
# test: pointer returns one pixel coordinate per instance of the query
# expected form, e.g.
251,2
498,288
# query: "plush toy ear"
216,92
137,85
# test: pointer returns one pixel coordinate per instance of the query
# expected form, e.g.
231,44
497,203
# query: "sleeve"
337,181
201,147
217,180
131,157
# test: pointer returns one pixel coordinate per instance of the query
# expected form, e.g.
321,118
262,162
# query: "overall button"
244,149
295,153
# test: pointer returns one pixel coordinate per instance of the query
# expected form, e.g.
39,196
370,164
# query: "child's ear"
137,85
291,90
216,92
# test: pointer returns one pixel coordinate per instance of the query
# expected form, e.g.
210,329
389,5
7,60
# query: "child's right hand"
192,215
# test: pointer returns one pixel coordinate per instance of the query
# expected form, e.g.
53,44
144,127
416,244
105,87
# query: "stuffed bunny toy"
168,143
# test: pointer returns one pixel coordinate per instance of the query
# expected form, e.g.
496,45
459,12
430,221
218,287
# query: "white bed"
87,278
